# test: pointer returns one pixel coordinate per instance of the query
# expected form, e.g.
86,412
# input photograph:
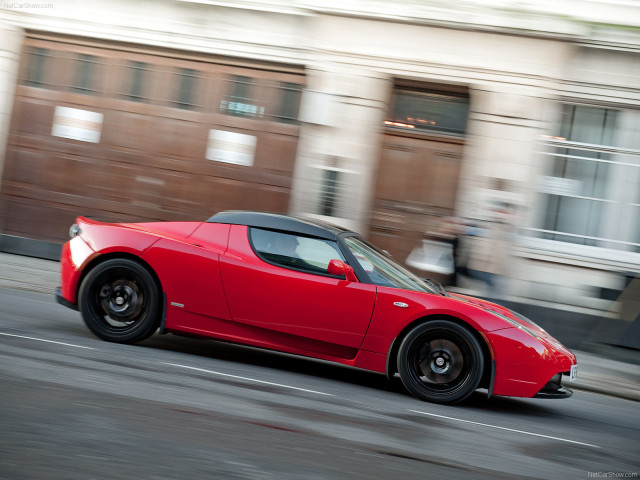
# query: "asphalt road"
75,407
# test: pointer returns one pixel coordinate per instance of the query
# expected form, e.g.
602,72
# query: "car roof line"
280,222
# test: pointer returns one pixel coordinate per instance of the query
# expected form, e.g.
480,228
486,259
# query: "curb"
625,394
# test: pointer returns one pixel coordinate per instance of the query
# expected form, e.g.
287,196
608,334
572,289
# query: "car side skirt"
180,321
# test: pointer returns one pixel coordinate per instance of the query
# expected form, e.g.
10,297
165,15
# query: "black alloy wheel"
120,301
441,362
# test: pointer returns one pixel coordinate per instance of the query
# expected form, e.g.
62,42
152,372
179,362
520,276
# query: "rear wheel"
120,301
440,361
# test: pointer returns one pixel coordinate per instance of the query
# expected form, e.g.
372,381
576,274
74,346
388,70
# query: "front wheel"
120,301
440,361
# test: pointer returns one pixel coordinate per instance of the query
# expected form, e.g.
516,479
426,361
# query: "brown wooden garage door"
126,134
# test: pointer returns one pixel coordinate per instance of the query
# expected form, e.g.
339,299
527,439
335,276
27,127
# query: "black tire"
441,362
120,301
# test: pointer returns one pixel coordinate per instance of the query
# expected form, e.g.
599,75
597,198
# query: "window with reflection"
576,205
238,102
138,77
590,192
37,61
290,94
382,270
187,87
84,80
427,110
294,251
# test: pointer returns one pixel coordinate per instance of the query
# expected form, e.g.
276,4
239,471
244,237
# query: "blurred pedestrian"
451,232
489,248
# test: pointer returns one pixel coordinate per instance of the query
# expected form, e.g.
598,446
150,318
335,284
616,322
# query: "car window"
294,251
382,270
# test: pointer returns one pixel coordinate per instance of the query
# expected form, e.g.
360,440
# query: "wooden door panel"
417,184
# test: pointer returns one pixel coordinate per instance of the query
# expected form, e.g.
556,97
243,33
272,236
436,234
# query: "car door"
277,283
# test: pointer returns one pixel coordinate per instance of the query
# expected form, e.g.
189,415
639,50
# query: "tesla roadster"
308,288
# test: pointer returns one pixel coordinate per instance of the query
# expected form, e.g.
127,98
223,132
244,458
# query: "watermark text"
612,475
25,5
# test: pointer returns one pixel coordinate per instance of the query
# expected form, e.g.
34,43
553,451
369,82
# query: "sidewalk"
596,373
27,273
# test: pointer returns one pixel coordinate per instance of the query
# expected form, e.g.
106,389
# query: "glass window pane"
240,87
85,74
381,270
581,175
329,192
238,101
292,251
587,126
290,102
426,110
136,75
577,217
187,89
592,175
37,63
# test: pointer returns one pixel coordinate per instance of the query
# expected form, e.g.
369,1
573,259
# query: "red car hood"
485,304
494,307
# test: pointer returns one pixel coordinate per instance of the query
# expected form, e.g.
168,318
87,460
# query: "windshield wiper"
437,286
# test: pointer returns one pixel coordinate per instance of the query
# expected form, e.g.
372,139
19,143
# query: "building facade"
387,117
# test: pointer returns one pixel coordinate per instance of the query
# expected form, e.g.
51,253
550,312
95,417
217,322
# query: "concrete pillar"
342,113
11,39
498,183
501,154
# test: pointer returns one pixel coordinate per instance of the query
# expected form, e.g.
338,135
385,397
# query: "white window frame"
618,251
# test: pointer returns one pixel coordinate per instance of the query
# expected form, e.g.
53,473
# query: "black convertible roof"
276,221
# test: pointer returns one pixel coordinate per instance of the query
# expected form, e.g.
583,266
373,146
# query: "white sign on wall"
77,124
231,147
559,186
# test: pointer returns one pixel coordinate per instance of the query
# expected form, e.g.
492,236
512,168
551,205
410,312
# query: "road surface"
75,407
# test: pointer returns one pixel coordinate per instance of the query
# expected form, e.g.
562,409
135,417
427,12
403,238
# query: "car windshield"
382,270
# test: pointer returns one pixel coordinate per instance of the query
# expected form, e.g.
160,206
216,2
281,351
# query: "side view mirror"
338,267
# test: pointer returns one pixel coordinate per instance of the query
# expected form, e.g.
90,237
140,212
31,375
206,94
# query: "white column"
501,159
11,39
342,112
501,168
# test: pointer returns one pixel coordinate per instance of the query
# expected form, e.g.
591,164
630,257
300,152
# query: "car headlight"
75,230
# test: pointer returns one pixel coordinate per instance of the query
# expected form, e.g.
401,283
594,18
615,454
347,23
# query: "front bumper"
63,301
554,389
529,367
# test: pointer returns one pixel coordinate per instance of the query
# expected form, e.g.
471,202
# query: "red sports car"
307,288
